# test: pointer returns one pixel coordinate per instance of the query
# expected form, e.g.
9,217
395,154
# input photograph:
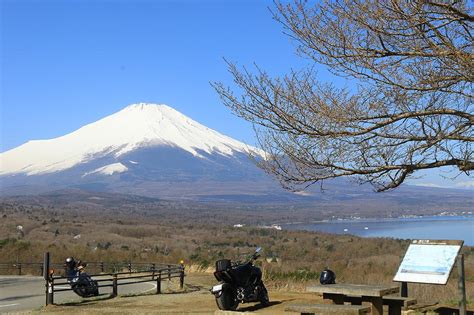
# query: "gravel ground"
195,299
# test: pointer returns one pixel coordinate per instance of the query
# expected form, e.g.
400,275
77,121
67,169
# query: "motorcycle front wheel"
227,301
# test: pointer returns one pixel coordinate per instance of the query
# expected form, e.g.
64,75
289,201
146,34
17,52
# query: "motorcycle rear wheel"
81,290
227,301
86,289
263,296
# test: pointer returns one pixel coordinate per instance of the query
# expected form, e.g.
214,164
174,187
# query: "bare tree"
409,106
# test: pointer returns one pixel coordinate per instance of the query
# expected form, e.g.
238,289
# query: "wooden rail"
21,268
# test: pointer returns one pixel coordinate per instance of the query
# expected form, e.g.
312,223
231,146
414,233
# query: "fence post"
461,285
169,272
51,290
48,278
101,266
18,265
158,283
153,268
181,277
114,285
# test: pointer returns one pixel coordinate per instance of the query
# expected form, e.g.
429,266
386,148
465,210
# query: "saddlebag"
223,265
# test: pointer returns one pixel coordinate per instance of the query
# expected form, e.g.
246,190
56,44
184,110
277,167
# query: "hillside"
200,237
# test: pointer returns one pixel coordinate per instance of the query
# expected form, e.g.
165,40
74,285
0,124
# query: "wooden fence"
106,274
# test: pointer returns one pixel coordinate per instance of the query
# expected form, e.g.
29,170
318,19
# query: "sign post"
461,286
404,289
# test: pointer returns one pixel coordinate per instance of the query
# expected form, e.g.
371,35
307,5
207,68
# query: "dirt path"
195,300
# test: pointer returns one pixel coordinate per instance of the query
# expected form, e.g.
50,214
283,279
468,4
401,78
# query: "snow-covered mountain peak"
136,126
153,109
149,107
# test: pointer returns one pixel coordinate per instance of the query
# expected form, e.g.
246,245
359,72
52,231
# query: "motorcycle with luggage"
239,283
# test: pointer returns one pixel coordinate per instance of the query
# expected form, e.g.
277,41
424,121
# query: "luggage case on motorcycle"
223,265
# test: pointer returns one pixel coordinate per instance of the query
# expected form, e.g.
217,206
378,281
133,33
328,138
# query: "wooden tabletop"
355,289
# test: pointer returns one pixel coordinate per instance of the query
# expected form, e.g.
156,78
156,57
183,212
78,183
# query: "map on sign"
428,261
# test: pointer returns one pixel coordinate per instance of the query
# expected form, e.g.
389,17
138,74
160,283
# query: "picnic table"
338,293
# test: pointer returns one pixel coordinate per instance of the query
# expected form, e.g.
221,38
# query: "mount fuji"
138,126
145,149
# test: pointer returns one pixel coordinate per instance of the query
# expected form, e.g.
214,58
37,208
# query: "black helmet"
327,277
70,261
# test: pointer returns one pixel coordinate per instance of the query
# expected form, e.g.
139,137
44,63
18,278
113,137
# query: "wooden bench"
395,303
306,309
219,312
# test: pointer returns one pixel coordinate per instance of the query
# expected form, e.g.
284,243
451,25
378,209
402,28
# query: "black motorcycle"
239,283
80,282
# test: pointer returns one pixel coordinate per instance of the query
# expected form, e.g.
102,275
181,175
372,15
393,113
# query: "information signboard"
428,261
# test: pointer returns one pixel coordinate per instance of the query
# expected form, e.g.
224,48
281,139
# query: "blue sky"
68,63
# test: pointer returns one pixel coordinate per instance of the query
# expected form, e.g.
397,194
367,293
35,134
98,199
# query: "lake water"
449,228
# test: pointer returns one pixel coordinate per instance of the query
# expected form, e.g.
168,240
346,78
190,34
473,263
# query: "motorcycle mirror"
258,249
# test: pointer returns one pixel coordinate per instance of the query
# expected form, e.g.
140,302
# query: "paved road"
18,293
